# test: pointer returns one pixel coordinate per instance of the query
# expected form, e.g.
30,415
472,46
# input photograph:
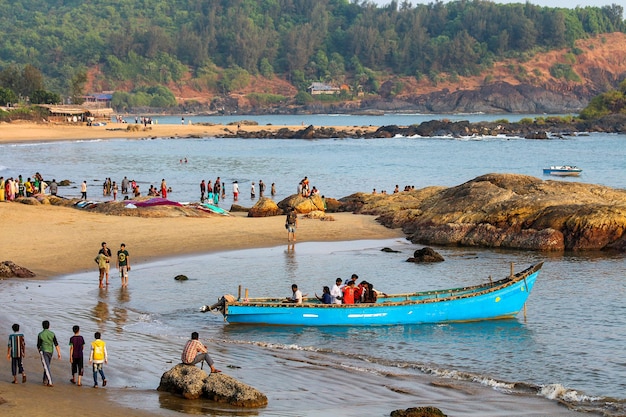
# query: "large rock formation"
505,210
9,269
192,383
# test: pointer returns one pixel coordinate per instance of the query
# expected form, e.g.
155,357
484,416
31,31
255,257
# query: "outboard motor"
220,305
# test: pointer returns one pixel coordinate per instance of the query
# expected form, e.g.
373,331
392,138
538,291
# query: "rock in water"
181,278
192,383
425,255
418,412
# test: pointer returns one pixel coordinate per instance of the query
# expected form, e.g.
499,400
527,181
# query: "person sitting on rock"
195,352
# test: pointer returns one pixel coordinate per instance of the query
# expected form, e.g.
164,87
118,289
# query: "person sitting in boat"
348,293
325,298
370,295
353,278
336,294
360,292
296,297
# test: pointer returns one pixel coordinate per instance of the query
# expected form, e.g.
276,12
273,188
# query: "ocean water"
400,119
567,349
337,167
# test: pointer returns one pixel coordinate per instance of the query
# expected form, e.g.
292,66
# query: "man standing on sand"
195,352
83,191
46,343
291,224
106,252
123,264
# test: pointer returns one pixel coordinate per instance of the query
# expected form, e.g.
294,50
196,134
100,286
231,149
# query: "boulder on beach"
303,205
425,255
192,383
8,269
265,207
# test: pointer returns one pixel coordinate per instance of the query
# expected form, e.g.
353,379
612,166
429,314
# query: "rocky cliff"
507,211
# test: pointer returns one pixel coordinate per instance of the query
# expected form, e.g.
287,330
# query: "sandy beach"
34,132
51,241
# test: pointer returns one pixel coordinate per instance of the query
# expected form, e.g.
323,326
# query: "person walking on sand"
76,356
83,191
291,224
123,264
16,352
98,357
195,352
46,343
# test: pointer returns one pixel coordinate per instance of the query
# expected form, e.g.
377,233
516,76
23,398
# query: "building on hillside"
98,100
322,88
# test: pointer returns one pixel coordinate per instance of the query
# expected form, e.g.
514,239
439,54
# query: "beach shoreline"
25,131
52,241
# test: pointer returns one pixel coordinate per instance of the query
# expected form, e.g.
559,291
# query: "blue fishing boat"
493,300
563,171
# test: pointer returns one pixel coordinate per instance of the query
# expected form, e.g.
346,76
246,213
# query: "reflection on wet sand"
200,407
100,312
291,264
102,315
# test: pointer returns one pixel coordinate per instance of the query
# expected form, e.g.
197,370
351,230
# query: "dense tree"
155,42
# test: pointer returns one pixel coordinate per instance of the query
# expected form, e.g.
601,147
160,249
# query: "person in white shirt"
296,297
335,293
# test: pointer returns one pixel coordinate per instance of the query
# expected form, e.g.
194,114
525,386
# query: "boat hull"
563,172
503,299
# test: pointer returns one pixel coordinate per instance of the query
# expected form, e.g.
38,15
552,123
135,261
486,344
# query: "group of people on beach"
343,292
122,263
12,188
304,188
47,343
211,192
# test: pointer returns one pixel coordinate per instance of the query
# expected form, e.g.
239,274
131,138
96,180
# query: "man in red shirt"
195,352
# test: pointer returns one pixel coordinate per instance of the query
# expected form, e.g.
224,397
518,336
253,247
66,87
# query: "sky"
550,3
